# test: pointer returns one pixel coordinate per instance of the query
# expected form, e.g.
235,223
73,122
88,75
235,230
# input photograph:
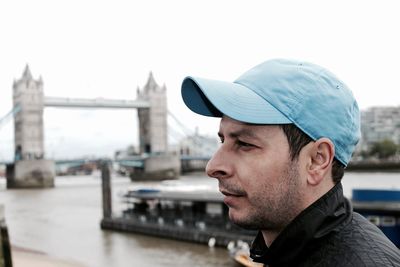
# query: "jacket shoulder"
359,243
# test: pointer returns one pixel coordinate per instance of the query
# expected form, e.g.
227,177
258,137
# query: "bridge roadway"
94,103
130,159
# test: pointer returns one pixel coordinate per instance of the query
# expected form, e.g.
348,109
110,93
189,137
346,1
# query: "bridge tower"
153,135
153,120
28,130
30,169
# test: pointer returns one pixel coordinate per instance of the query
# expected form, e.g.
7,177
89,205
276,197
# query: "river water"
64,222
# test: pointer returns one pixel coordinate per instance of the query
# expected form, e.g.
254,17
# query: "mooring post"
106,185
5,247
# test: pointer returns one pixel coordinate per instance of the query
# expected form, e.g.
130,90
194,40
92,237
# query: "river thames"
64,222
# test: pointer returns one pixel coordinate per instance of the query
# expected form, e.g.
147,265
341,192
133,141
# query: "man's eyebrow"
240,133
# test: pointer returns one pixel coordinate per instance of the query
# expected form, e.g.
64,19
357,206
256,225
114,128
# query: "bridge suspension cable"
174,134
185,129
6,118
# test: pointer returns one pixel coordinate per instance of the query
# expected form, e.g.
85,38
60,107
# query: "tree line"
384,149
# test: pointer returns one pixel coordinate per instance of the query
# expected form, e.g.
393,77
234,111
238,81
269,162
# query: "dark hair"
298,139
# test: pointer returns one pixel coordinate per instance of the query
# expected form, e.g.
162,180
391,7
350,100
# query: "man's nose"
218,166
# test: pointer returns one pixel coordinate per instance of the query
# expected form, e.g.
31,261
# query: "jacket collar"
329,213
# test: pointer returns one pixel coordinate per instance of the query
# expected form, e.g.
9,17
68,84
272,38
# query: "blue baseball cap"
282,91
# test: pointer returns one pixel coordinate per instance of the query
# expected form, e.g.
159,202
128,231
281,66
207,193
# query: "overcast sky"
92,49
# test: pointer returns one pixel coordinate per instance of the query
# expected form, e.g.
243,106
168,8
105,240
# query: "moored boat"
382,208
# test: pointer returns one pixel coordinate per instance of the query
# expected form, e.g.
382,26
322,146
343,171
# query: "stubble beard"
274,212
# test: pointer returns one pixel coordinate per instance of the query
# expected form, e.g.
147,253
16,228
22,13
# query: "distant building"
378,124
130,151
198,145
195,151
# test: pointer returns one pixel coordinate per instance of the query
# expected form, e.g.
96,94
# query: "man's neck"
269,236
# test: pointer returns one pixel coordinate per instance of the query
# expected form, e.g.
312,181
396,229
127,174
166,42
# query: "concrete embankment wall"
31,174
157,163
374,166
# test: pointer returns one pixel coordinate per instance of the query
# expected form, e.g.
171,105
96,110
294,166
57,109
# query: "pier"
197,216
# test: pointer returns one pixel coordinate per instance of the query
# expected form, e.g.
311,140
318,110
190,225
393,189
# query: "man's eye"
244,144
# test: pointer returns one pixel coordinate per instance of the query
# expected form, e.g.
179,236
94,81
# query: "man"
288,129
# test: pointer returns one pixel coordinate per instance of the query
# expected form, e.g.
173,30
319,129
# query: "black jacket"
328,233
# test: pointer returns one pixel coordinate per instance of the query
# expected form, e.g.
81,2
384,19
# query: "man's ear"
321,157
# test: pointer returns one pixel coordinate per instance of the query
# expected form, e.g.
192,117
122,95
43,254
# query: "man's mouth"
231,197
230,194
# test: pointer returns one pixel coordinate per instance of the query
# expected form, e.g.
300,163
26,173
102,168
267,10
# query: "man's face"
253,167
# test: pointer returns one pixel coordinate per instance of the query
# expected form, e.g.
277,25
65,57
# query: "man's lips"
231,194
231,198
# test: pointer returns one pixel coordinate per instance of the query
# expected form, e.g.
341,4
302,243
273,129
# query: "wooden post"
106,185
5,248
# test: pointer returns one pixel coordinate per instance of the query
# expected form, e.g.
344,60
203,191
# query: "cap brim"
216,98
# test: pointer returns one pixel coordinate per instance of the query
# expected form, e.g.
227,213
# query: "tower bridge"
32,169
67,102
